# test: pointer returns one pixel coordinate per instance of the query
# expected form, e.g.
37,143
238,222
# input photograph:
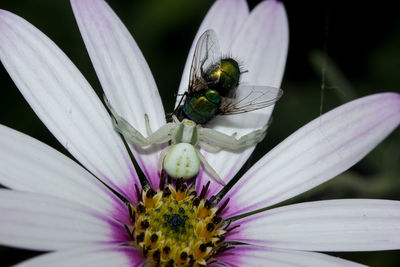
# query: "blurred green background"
362,44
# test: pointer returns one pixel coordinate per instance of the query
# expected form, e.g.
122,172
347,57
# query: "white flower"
53,204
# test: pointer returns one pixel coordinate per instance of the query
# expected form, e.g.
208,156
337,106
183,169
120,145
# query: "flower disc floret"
174,226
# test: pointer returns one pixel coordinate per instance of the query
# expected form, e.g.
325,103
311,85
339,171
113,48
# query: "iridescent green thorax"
203,106
175,227
227,73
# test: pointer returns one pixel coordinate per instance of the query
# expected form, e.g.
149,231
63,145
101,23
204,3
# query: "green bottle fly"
220,80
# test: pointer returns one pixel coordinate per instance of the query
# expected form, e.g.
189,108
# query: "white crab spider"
181,159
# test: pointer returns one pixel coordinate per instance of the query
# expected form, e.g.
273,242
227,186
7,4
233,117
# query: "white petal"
40,222
29,165
225,17
64,101
261,46
99,256
123,72
258,256
331,225
317,152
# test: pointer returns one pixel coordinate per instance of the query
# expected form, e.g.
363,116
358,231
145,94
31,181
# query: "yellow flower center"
175,227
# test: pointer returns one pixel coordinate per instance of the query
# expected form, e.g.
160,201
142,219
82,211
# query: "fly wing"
248,98
206,54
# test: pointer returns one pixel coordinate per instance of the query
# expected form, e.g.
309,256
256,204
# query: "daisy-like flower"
101,215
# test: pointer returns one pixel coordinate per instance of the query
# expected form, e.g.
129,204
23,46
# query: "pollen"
174,226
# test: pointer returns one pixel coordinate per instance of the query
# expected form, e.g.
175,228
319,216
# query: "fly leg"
178,110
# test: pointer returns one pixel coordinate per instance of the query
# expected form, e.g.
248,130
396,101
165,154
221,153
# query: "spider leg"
209,148
161,159
148,128
162,135
210,170
217,139
125,128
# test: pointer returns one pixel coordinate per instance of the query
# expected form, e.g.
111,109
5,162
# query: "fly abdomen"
227,75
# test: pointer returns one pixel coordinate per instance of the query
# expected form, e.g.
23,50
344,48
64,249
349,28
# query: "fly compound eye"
182,161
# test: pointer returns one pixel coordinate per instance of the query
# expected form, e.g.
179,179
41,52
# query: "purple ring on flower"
56,205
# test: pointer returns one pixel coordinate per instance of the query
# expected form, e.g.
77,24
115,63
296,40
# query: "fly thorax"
202,106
